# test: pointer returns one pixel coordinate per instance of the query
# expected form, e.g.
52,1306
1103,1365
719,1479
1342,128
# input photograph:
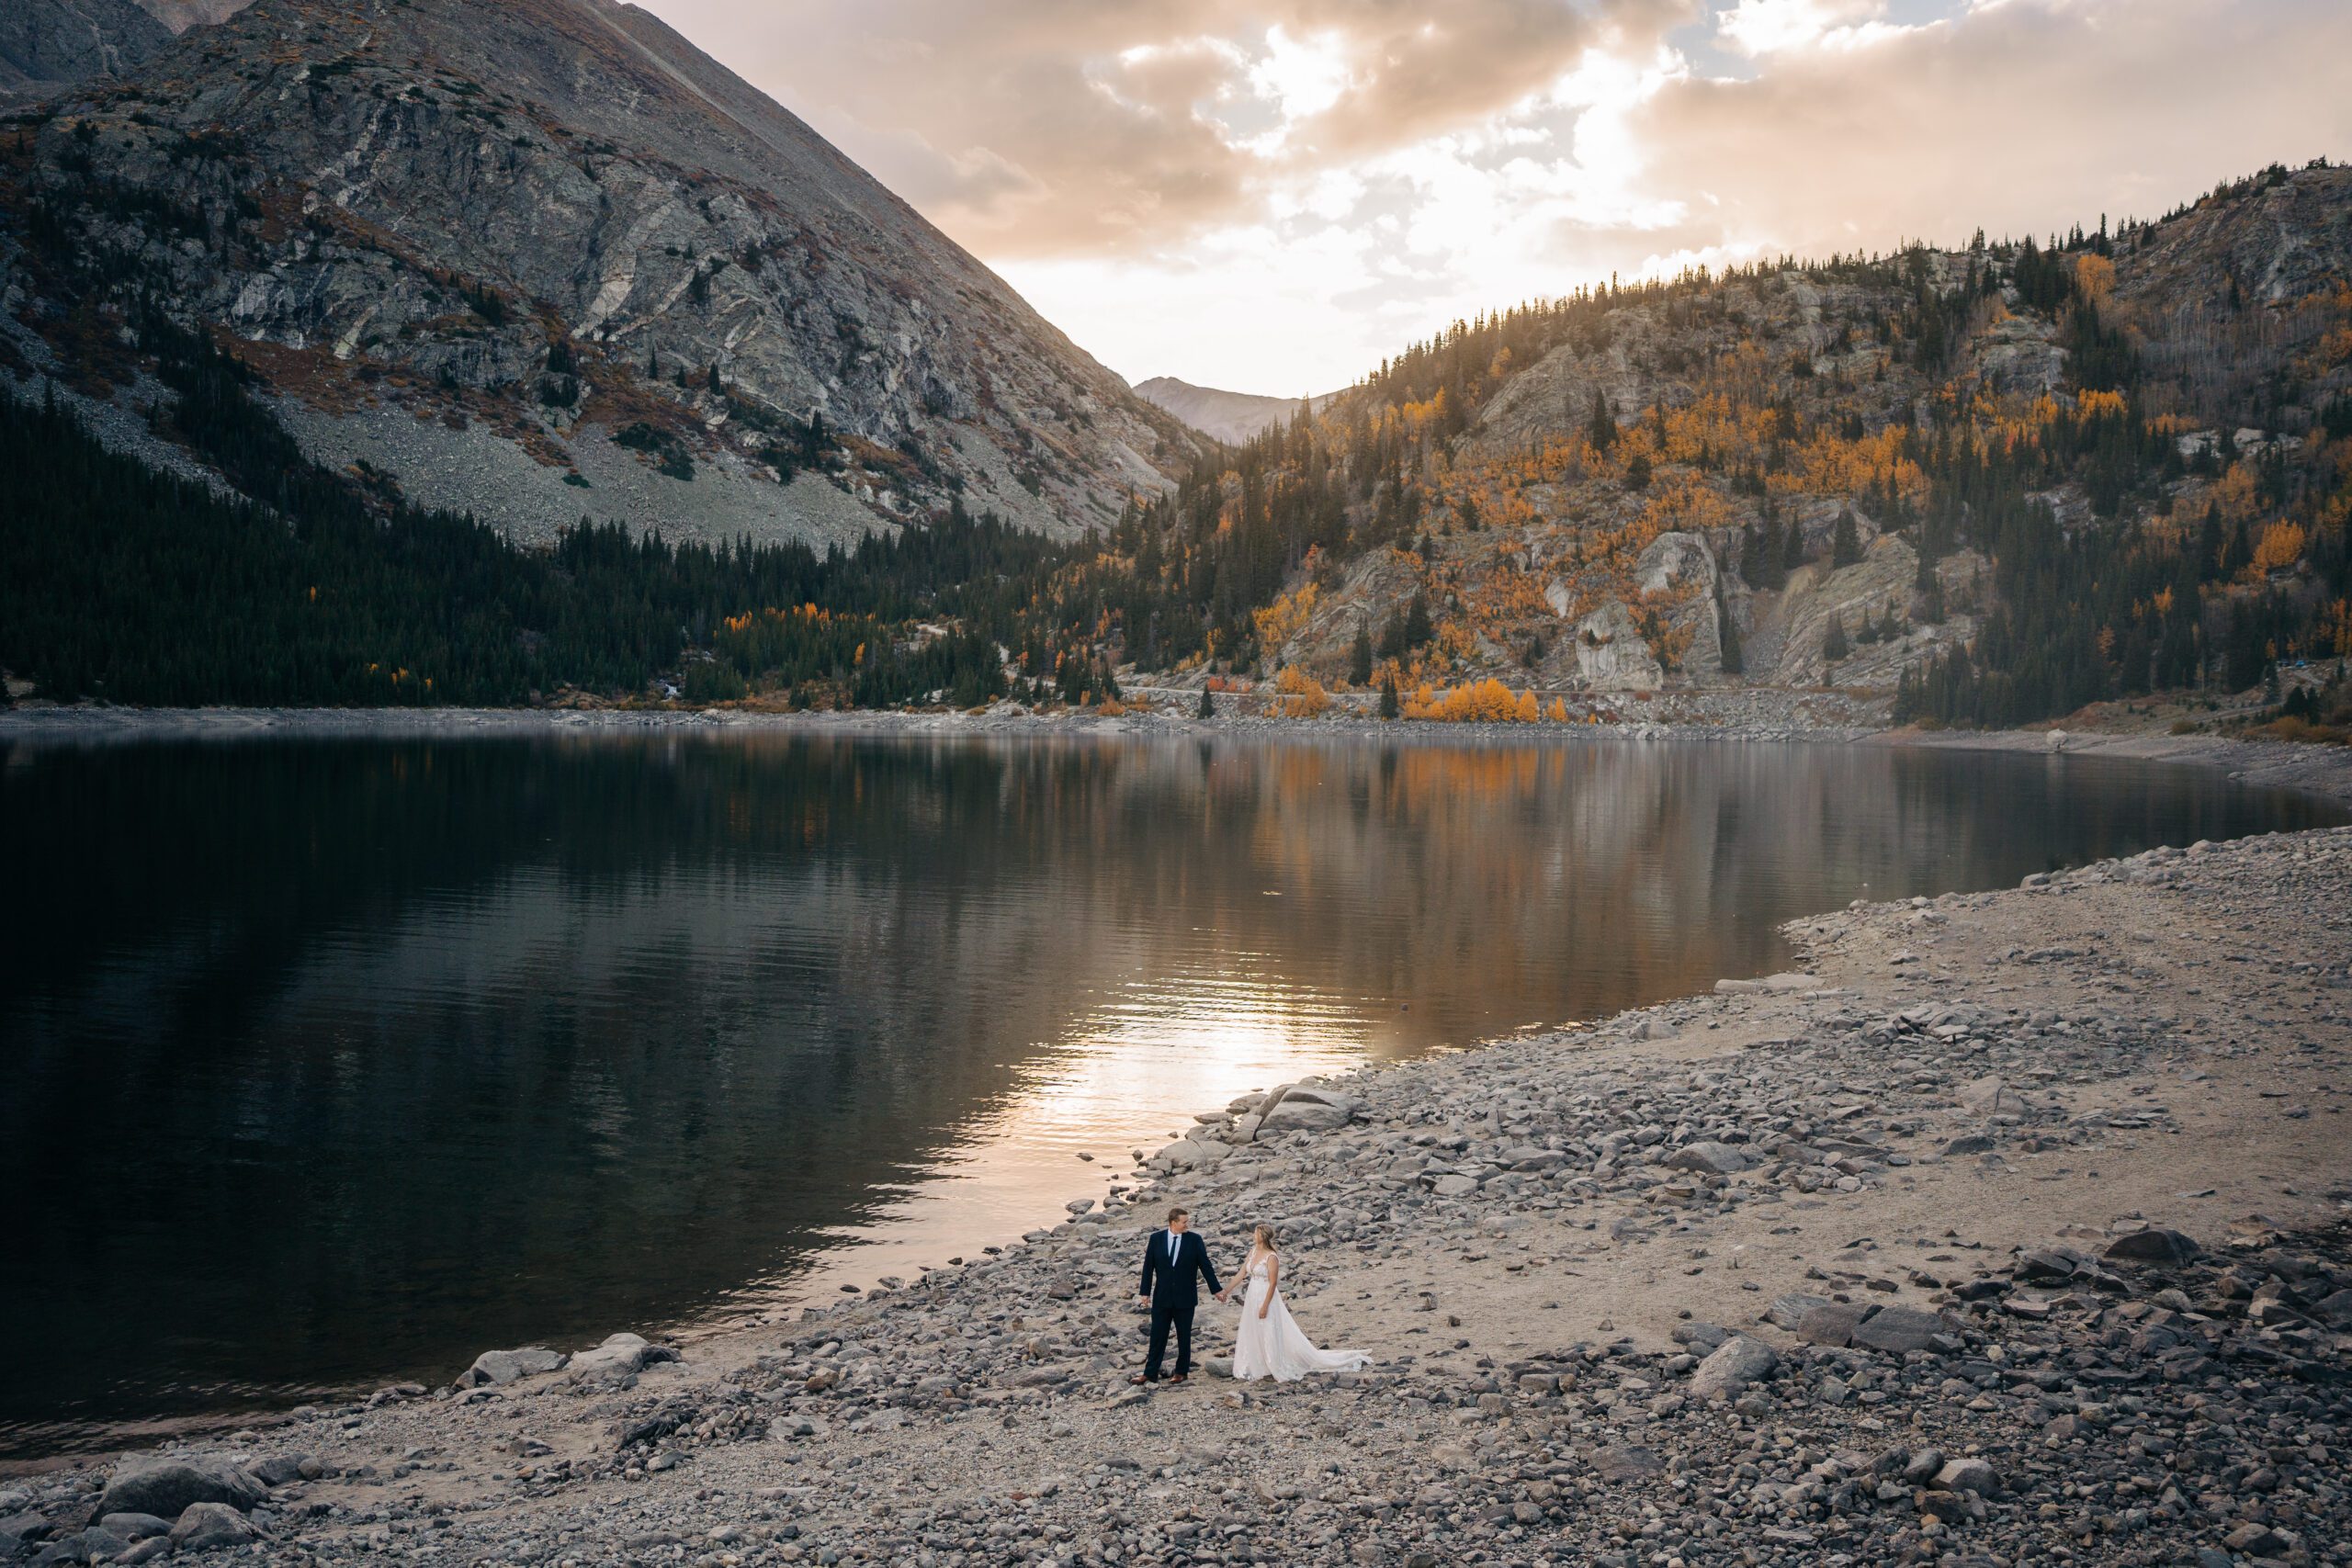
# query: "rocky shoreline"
2323,769
2014,1229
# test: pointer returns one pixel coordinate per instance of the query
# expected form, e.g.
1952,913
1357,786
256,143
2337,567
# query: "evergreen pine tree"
1209,702
1792,549
1600,429
2209,544
1389,706
1418,629
1845,541
1728,634
1833,647
1637,471
1360,657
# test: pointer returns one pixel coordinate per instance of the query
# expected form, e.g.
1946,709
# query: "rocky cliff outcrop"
544,258
46,46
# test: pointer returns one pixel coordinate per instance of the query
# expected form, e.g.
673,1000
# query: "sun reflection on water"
1131,1073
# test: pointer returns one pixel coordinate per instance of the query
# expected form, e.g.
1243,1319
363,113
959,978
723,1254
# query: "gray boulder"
167,1487
1305,1107
1732,1366
1830,1323
500,1366
135,1527
203,1526
1699,1337
1713,1159
1627,1464
1788,1311
619,1355
1968,1475
95,1544
279,1468
2154,1245
1899,1329
1993,1097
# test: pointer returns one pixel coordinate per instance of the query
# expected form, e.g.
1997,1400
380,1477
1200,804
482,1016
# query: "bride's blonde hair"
1265,1235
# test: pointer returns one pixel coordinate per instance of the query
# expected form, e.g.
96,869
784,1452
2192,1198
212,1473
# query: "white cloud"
1772,27
1275,194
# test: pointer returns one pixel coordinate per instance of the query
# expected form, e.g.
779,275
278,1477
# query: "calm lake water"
325,1064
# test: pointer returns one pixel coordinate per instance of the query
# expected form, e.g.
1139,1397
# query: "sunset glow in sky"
1270,195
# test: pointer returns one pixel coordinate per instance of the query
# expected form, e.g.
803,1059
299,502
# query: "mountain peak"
1229,416
541,258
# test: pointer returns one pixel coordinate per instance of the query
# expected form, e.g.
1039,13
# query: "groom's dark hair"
1177,1214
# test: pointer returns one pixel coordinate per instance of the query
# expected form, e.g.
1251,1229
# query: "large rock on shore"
2154,1245
202,1526
620,1355
1732,1366
1710,1158
1305,1107
1897,1329
168,1486
498,1367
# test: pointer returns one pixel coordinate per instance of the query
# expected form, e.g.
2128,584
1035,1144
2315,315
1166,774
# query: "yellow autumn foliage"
2094,278
1298,694
1479,701
2282,545
1283,619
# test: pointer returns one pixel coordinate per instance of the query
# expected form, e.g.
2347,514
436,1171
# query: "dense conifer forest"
134,586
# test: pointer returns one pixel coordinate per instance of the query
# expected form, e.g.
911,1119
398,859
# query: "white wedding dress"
1275,1347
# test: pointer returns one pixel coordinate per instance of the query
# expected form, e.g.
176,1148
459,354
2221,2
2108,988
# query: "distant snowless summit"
1229,416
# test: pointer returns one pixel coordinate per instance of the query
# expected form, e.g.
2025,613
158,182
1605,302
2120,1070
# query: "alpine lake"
330,1062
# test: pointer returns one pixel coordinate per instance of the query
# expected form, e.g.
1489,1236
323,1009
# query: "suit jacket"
1176,1284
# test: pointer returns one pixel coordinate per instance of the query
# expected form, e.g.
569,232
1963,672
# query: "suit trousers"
1165,1315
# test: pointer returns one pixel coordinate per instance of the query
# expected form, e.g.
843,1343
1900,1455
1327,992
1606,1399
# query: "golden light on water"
1130,1072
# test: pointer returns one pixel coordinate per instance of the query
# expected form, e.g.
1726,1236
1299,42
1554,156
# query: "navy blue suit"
1173,1285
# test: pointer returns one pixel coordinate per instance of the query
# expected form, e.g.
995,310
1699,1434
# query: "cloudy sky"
1270,195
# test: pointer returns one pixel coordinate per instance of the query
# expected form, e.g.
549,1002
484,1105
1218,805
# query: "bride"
1271,1343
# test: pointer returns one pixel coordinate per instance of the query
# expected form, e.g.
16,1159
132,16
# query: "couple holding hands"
1269,1342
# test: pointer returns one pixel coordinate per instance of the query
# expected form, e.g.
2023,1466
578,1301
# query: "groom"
1174,1261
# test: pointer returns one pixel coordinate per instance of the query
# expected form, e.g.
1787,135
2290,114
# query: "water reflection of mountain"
335,1060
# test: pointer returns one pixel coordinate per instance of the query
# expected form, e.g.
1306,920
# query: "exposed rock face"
46,46
1817,593
1229,416
1687,564
473,244
1610,651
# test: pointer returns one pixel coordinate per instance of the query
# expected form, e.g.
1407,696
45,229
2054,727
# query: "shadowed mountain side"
46,46
539,259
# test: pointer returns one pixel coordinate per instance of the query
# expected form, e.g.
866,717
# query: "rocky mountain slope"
48,45
1229,416
541,259
1842,473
